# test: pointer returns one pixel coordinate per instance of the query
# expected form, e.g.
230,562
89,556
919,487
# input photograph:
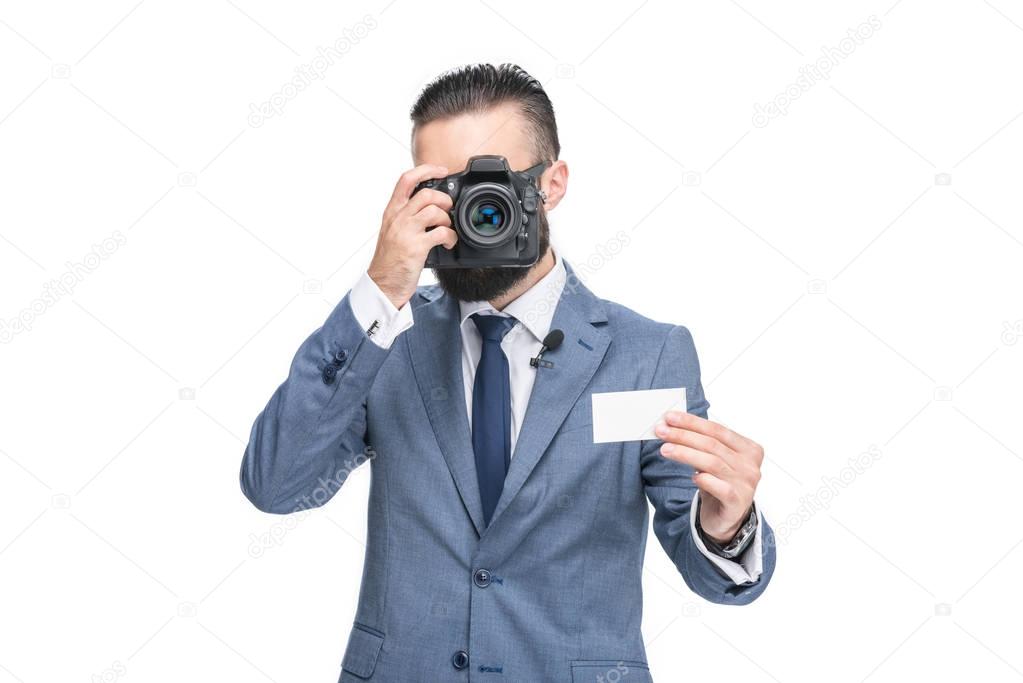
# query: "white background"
850,272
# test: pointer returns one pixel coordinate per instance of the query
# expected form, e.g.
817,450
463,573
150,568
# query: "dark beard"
487,284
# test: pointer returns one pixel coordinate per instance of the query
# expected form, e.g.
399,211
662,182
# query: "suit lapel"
557,389
435,343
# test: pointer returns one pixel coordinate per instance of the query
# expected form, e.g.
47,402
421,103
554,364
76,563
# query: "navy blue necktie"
491,411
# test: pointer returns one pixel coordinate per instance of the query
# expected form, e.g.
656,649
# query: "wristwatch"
742,539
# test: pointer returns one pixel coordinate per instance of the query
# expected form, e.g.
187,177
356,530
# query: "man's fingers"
441,235
706,427
412,177
694,439
716,487
424,198
697,459
430,216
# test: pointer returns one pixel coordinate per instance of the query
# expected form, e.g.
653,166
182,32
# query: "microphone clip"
550,342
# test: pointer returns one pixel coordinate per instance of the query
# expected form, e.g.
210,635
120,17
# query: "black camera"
495,213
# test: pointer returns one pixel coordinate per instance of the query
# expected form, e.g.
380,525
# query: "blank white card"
632,415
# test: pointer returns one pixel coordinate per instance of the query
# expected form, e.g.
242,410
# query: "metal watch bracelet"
739,543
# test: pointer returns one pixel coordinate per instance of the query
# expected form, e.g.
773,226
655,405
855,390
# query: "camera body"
495,213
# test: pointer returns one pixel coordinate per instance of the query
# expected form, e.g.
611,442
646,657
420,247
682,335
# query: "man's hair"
477,88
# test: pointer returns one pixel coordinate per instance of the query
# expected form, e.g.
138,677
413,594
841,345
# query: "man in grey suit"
503,543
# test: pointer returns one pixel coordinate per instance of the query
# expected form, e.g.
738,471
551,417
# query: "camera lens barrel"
488,215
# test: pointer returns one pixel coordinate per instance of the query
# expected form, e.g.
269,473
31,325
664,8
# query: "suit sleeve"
312,433
670,489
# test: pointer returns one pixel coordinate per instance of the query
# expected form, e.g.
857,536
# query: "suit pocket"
364,645
610,671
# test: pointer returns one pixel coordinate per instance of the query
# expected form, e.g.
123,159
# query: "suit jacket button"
329,374
460,660
340,357
481,578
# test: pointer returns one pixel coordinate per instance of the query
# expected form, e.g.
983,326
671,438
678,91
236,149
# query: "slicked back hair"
477,88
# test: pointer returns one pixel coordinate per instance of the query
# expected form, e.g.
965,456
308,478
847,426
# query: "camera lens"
487,218
487,215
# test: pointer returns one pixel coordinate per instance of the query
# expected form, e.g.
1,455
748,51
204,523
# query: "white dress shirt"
534,311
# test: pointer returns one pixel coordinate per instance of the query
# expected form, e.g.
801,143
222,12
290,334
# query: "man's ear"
554,183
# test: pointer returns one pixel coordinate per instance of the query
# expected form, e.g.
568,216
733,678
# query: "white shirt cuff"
751,562
375,312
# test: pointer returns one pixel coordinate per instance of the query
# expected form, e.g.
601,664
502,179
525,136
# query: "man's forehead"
452,141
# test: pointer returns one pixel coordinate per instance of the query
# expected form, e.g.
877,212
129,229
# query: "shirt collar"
534,308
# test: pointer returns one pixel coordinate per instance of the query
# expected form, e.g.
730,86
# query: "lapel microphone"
550,342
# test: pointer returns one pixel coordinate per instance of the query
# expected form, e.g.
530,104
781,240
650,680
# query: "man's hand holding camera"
405,235
727,468
497,220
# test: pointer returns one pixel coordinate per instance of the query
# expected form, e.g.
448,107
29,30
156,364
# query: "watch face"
745,535
741,540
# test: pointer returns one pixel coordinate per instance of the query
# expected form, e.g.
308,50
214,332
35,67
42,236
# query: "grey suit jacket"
551,590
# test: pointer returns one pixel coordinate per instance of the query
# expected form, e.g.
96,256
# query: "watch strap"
739,543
